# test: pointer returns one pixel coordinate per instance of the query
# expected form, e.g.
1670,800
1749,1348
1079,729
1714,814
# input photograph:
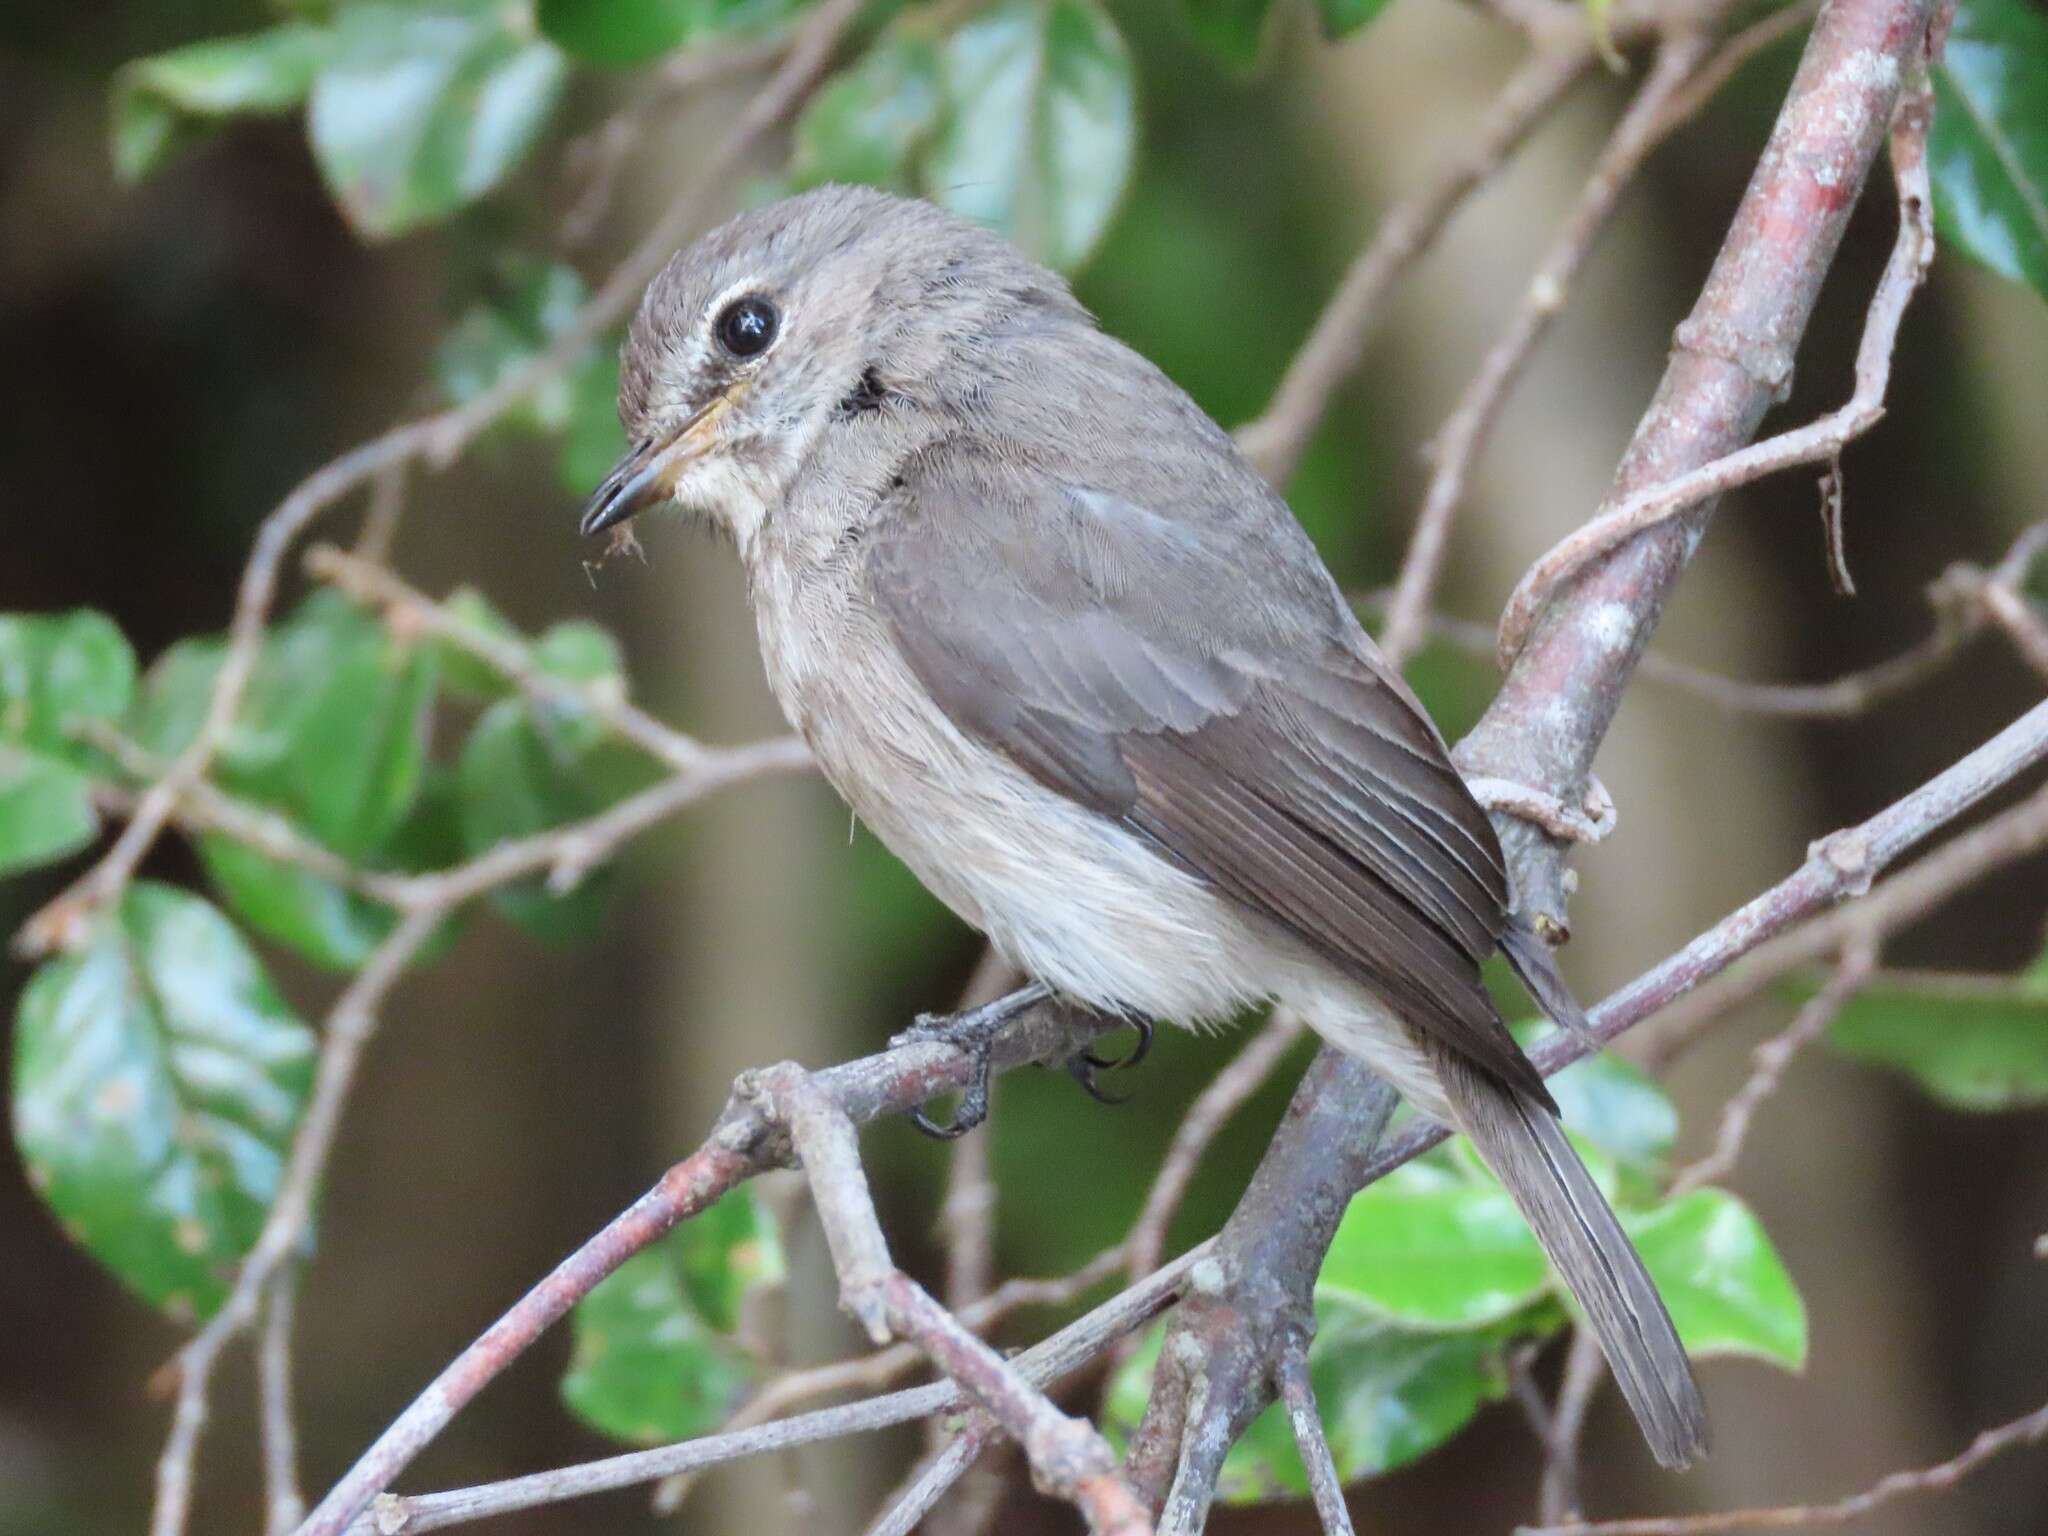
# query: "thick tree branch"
1733,360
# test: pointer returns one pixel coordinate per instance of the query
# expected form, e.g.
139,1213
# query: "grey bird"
1075,663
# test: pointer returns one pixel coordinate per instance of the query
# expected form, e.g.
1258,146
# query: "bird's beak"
648,473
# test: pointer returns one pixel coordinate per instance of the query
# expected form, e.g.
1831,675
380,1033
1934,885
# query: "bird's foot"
973,1032
1083,1065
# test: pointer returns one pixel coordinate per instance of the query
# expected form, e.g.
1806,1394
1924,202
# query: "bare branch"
1298,1394
1065,1351
1213,1108
1818,442
1852,973
1276,440
1733,360
2027,1430
740,1145
283,1505
1642,128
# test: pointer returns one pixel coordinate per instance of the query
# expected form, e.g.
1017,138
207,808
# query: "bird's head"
760,336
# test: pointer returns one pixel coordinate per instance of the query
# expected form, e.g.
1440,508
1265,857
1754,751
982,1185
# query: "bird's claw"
973,1033
1083,1066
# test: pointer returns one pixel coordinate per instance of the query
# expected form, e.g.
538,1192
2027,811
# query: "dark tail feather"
1537,967
1527,1148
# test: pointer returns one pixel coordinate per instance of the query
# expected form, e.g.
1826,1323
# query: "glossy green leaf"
1430,1248
626,32
164,102
871,123
520,776
46,810
1341,18
1230,29
334,727
1387,1395
1728,1291
157,1081
655,1355
1988,148
422,109
56,671
1976,1043
1041,127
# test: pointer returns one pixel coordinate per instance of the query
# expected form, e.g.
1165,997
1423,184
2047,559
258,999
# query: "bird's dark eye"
746,326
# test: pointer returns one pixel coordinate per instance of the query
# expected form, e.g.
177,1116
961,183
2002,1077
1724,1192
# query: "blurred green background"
174,356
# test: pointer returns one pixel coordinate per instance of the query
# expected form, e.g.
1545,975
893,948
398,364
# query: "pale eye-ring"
746,327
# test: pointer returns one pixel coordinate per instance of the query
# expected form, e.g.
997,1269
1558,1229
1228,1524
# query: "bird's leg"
1085,1064
973,1032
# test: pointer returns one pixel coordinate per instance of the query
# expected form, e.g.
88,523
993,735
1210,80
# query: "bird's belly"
1069,896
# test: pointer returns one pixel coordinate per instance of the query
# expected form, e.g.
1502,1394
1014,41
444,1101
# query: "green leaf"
57,670
334,728
421,110
871,122
523,773
174,697
1387,1395
163,103
655,1358
157,1081
1988,148
627,32
1727,1289
1230,29
329,924
1975,1043
1431,1249
1341,18
1042,125
46,810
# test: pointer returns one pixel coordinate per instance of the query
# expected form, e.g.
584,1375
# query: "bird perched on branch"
1077,665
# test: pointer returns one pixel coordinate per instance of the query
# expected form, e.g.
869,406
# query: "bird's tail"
1527,1148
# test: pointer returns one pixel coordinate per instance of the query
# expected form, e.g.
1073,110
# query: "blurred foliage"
159,1075
1973,1042
1988,149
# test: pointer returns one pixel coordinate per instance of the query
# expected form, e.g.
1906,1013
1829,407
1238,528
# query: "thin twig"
740,1145
1819,441
1277,439
283,1504
1853,972
1063,1352
1068,1456
907,1508
1298,1396
411,612
1642,128
1213,1108
2029,1429
1584,1369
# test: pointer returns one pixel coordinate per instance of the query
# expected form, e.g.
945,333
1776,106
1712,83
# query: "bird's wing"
1203,684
